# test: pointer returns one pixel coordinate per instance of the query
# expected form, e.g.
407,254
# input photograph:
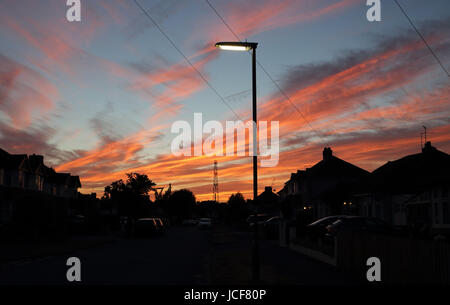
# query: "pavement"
232,260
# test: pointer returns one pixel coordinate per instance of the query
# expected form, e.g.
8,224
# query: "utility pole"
216,183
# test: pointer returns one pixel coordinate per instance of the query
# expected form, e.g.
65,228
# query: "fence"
403,260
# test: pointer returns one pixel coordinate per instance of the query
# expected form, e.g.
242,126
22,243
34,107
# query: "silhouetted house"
22,175
63,185
292,186
268,201
38,172
329,187
290,197
412,190
14,170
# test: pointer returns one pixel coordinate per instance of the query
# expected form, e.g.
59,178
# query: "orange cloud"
336,103
23,92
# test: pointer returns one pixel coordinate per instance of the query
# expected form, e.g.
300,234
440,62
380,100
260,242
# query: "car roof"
274,217
326,218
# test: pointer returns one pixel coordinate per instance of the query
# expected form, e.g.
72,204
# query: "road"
178,257
184,255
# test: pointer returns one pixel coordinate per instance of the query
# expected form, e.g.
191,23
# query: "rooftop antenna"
424,135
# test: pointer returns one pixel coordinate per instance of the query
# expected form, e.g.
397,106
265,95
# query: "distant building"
268,201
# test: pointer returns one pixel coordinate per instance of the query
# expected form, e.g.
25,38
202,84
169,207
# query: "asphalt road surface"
178,257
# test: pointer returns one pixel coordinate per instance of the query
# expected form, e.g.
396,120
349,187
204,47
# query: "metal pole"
255,258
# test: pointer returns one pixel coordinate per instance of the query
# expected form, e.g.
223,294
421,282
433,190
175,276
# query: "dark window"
7,179
445,214
371,222
369,210
436,213
378,210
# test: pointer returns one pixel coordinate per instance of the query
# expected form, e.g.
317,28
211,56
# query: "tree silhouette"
181,204
139,184
236,200
237,207
131,195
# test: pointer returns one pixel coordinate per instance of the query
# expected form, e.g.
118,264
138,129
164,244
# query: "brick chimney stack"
39,159
327,153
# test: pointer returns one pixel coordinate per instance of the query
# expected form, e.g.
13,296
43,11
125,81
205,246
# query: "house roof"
36,163
334,177
59,178
413,172
333,166
268,194
74,181
9,161
3,153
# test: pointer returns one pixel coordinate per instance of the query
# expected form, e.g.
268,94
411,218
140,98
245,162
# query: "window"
7,178
369,210
445,214
20,179
436,213
378,210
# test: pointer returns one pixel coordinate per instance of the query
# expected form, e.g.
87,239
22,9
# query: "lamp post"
246,46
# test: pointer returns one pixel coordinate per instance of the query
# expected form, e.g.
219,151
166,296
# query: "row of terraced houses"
25,174
411,191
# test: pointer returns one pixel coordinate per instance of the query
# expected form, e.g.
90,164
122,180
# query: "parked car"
166,222
260,219
161,225
147,227
358,223
189,222
204,223
78,224
318,228
271,227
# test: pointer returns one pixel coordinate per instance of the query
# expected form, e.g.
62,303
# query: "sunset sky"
98,97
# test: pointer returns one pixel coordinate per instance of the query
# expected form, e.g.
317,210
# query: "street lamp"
247,46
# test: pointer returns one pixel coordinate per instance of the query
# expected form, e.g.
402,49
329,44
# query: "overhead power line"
423,39
268,75
184,56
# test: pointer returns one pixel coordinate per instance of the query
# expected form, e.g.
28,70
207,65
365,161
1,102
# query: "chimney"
327,153
427,148
39,159
268,189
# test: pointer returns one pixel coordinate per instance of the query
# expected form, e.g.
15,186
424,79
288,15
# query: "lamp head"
236,45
